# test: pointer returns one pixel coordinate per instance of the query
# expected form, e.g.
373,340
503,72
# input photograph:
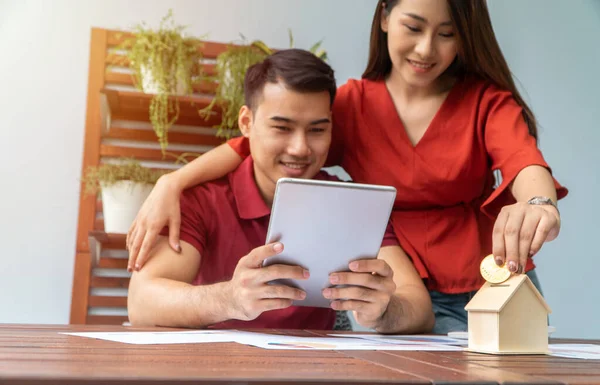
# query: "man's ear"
245,120
385,18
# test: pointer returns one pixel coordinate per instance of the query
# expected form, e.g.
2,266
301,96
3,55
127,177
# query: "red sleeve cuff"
502,195
241,145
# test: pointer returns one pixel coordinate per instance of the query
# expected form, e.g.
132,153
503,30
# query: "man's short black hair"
297,69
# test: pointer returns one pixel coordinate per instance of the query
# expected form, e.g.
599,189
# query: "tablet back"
324,225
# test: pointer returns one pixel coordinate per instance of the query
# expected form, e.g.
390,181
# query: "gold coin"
492,272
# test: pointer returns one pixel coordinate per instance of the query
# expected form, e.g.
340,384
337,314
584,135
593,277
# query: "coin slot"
499,285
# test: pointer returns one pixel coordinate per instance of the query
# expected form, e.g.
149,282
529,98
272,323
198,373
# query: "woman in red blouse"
435,114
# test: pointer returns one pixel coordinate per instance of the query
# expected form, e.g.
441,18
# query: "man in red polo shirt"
217,279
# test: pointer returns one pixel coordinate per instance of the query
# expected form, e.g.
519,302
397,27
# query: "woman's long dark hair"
478,50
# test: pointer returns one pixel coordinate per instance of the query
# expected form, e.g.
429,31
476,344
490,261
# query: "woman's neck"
398,86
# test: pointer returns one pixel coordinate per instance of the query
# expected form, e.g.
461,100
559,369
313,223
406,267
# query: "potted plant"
165,62
231,69
123,187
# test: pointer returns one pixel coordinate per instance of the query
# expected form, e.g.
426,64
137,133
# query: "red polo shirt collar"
249,201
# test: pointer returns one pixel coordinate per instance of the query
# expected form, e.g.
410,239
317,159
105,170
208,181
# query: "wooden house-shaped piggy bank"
508,318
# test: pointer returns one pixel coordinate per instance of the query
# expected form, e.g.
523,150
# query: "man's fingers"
256,257
274,272
282,292
377,266
512,231
274,304
350,305
367,280
498,247
352,293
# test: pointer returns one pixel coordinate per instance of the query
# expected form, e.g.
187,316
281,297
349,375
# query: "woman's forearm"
212,165
533,181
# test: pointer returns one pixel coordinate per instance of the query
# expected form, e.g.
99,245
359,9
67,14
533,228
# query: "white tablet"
324,225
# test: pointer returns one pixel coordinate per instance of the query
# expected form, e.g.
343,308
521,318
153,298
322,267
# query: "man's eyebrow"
282,119
424,20
292,121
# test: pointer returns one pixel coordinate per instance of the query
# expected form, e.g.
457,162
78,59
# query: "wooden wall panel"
91,156
117,125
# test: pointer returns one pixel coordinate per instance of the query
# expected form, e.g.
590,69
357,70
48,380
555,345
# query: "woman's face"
421,40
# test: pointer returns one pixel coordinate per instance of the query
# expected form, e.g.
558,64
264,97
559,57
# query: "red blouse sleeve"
241,145
340,127
509,145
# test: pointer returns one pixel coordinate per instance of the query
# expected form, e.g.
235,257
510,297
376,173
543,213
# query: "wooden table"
37,354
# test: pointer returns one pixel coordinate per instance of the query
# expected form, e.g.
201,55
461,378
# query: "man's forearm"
404,316
212,165
164,302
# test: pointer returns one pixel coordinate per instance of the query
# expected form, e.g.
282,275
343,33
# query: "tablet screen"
325,225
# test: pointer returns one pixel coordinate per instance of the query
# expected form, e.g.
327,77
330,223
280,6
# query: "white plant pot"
121,203
149,85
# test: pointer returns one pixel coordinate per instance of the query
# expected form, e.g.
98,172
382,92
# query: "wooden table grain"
38,354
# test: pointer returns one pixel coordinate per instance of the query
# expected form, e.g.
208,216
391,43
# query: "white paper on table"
465,335
583,351
408,339
271,341
151,338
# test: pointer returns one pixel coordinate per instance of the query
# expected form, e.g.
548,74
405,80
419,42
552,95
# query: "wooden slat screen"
117,125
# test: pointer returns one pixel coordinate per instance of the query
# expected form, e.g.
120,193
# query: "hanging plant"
231,69
165,63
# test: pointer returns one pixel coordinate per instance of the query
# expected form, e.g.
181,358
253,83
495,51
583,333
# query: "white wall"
552,46
553,49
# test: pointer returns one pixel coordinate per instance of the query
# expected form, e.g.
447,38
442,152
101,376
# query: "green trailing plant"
107,174
172,61
231,67
315,49
182,159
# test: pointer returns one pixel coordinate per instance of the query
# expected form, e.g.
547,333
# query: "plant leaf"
262,47
291,38
316,46
322,54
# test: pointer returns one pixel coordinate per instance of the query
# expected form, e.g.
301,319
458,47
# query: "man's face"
289,135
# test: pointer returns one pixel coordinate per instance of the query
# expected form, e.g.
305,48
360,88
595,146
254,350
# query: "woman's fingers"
512,232
526,236
498,248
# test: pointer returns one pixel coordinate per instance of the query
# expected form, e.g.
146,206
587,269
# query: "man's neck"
266,187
